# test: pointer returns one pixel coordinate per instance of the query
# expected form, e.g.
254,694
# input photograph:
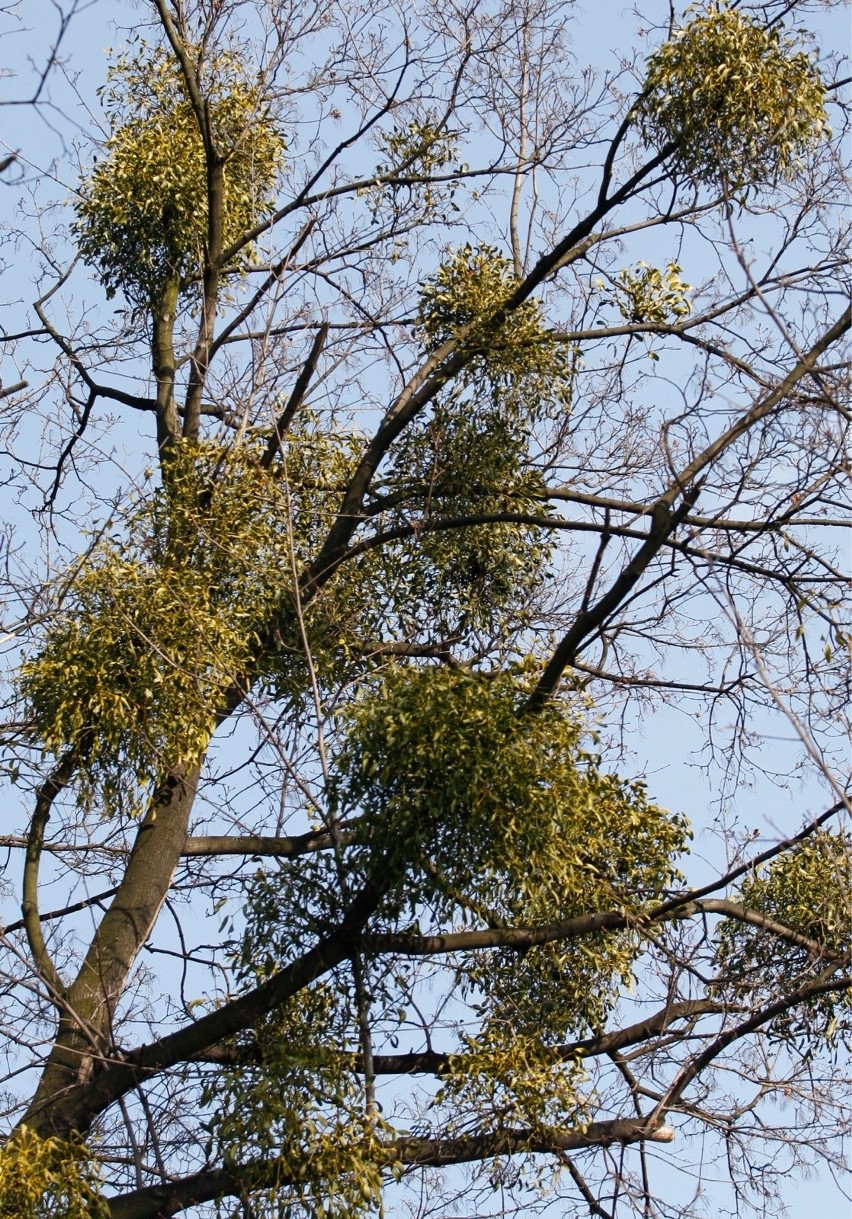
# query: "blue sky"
666,745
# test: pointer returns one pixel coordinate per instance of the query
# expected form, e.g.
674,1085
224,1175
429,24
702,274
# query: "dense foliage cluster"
303,1106
49,1178
142,212
462,792
471,457
518,357
483,811
739,103
808,890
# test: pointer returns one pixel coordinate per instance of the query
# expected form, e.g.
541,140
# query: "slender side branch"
803,367
449,359
296,398
85,903
7,390
755,862
45,796
258,844
691,1070
664,522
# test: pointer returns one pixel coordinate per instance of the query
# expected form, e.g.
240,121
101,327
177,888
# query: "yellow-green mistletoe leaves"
301,1102
739,101
49,1179
502,806
159,621
466,809
648,295
809,890
459,465
509,1080
420,147
155,626
418,155
469,457
142,212
527,368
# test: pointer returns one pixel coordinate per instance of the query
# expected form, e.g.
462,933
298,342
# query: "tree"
415,465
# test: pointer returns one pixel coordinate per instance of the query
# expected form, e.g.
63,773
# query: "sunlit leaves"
484,812
808,890
301,1104
463,792
523,365
650,296
420,146
49,1178
142,212
474,813
418,154
739,101
161,618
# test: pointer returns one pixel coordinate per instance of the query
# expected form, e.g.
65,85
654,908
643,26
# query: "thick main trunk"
85,1033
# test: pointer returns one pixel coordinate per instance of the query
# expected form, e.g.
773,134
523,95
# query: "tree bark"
84,1037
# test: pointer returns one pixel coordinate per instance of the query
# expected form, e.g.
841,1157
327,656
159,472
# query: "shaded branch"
162,1201
77,1106
297,397
7,390
84,904
755,918
435,1062
259,844
664,522
755,861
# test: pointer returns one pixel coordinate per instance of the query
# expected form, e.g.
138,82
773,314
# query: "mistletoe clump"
737,99
484,812
142,213
522,821
161,618
809,890
157,621
517,359
468,458
49,1178
645,294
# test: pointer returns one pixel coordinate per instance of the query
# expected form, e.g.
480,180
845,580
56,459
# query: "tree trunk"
84,1037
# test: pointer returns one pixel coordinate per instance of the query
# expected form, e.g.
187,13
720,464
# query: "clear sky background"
667,745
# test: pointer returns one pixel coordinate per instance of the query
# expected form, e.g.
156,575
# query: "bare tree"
406,455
